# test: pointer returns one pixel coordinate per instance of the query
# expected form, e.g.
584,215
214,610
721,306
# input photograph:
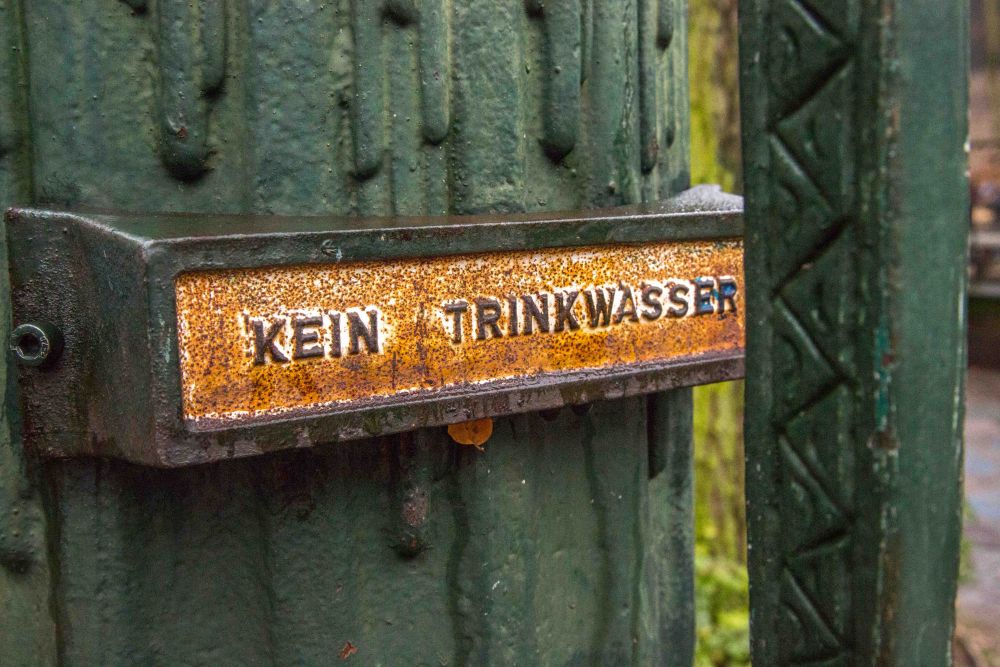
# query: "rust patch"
259,344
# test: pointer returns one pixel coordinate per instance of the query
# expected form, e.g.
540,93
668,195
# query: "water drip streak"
213,39
649,82
664,24
367,109
605,566
461,623
611,87
563,73
403,11
586,36
185,79
435,69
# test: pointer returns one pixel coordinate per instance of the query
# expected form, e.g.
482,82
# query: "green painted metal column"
567,542
857,218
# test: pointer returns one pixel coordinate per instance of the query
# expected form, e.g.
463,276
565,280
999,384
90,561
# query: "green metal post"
854,126
559,544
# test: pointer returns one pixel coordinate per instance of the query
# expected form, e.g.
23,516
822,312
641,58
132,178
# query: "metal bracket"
177,339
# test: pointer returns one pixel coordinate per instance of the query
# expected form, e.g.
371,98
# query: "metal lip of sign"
190,338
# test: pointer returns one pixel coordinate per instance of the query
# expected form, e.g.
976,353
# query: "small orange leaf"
348,650
473,433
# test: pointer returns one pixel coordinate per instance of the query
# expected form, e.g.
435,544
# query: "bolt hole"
29,345
35,344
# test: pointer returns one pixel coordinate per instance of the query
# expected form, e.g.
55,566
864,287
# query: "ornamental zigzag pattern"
811,77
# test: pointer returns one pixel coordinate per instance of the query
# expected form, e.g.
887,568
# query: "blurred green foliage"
721,583
721,610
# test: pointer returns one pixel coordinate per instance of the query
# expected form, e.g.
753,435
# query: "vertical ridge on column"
612,110
649,82
488,107
213,45
673,170
562,74
191,51
435,68
91,608
367,108
492,572
672,493
190,542
295,99
406,135
619,487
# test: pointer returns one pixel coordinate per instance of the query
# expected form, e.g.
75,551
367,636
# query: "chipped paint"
260,344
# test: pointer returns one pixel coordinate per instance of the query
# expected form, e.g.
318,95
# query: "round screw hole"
29,346
35,344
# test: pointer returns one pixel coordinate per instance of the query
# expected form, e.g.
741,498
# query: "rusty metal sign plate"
173,339
259,344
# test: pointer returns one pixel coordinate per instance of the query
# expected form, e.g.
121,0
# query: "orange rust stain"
348,650
417,354
474,433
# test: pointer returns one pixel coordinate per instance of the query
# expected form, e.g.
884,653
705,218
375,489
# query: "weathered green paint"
27,628
553,547
671,441
854,125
